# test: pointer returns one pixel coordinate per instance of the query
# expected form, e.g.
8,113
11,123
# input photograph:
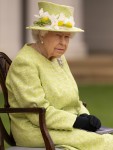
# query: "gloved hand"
87,122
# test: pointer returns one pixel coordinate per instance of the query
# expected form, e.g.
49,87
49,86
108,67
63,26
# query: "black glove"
87,122
94,122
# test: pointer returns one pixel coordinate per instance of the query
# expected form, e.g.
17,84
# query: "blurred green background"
99,99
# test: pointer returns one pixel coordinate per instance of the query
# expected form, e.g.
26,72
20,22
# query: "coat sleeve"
24,82
83,109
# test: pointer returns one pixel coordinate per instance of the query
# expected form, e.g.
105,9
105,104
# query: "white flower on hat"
64,21
54,21
42,14
43,18
69,22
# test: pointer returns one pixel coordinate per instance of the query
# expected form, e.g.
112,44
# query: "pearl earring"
42,42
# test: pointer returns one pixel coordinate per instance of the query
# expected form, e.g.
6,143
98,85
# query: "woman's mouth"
60,49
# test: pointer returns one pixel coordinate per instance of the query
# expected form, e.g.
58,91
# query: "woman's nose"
63,40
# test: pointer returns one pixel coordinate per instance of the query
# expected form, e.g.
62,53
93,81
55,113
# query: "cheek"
50,47
67,42
52,44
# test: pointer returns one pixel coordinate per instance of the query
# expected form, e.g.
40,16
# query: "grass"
99,99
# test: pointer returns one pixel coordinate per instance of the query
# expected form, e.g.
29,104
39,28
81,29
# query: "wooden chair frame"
5,62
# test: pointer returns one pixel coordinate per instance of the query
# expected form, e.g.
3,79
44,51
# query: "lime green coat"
34,81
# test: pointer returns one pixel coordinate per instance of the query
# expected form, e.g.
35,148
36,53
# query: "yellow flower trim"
60,23
68,24
44,19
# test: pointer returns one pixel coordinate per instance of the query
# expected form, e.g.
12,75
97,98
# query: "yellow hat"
54,17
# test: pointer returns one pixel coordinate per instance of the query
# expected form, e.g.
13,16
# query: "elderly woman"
39,76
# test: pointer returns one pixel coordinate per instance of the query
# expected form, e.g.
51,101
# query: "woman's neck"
41,50
38,47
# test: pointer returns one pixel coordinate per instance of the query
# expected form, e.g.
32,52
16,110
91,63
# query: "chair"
5,62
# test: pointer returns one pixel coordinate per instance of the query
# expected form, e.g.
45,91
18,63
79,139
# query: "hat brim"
74,29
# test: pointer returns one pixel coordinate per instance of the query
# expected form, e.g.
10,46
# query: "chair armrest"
84,104
42,123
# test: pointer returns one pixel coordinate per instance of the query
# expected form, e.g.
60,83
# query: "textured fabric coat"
35,81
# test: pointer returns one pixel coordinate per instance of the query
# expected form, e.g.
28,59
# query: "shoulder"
25,61
26,55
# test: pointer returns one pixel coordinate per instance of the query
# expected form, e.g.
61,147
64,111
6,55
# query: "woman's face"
55,43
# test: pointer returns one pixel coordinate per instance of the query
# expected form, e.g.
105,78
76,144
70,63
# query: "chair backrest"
5,63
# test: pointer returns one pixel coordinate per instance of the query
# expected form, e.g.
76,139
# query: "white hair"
37,33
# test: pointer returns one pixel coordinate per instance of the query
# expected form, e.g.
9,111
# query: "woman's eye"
67,37
61,36
58,35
